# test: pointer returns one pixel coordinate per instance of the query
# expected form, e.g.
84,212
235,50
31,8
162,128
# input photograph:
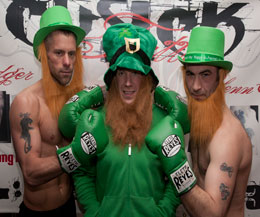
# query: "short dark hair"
63,31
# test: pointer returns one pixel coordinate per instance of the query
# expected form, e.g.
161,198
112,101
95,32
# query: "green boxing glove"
88,98
90,139
167,141
174,104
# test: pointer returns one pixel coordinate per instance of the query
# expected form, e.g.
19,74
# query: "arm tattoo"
224,167
224,191
25,122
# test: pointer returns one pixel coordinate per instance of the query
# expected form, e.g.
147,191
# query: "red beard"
55,94
206,116
130,123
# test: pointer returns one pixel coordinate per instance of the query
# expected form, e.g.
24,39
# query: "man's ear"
224,71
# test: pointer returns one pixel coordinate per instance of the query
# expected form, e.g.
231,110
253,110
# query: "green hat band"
59,23
198,57
206,46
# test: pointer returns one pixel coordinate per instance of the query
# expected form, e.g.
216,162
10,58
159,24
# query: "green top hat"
206,46
55,18
128,46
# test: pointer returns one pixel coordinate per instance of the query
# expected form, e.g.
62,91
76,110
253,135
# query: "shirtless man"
220,148
34,113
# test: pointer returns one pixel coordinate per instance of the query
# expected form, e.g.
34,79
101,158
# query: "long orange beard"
130,123
55,94
206,116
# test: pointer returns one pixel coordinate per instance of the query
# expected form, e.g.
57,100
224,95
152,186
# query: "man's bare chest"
48,126
200,162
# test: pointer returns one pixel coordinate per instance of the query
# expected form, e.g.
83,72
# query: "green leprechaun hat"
206,46
128,46
55,18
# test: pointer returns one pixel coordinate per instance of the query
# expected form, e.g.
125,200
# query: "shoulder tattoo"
225,168
25,134
224,191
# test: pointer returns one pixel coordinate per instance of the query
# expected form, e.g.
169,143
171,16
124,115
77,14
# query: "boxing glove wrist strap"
183,178
67,160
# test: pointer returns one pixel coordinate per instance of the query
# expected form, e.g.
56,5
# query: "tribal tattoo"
224,167
25,122
224,191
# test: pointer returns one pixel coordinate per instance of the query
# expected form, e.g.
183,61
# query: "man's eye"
72,54
58,53
205,74
120,72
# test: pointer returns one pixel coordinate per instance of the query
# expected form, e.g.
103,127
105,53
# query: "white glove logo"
171,145
74,98
88,143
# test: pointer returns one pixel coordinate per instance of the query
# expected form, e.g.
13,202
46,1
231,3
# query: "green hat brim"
128,61
221,63
45,31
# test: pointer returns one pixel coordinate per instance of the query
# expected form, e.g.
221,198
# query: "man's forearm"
198,203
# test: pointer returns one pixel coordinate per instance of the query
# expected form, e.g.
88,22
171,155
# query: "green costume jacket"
123,184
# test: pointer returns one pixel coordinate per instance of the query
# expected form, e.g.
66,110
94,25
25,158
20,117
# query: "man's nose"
128,79
66,60
196,84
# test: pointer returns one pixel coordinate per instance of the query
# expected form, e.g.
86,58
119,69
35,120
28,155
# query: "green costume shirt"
126,182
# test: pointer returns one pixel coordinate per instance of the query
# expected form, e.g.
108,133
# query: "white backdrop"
170,21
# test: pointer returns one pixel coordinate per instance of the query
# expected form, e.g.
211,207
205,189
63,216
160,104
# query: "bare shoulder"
237,131
232,139
27,101
29,94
